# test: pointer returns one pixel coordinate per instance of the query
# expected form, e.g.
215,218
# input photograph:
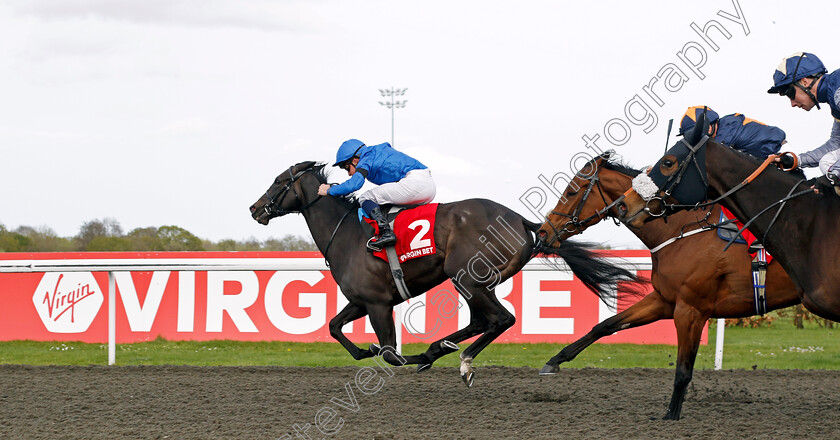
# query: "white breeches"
828,160
416,188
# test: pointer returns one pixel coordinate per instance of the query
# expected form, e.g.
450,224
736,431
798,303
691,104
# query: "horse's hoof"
375,349
423,367
467,371
669,416
392,358
468,377
549,370
448,347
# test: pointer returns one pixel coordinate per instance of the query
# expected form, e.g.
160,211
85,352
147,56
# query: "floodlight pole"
391,93
392,104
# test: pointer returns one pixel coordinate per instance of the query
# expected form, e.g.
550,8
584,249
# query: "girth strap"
397,272
759,275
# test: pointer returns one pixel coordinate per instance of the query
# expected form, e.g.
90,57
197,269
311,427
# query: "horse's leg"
498,320
689,322
651,308
349,313
382,320
446,345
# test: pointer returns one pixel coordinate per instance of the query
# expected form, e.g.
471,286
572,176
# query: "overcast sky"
175,112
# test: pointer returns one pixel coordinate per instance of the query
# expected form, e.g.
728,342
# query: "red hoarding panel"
284,305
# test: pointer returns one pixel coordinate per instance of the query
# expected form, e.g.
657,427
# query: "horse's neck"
655,232
793,223
324,217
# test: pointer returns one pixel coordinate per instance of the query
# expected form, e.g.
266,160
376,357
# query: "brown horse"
479,244
693,280
798,226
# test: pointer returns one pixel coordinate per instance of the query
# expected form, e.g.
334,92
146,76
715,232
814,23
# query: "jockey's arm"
348,186
812,158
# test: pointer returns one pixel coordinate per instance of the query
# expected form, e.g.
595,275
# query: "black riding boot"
386,236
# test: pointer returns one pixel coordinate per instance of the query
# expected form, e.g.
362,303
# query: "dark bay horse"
479,244
693,279
801,233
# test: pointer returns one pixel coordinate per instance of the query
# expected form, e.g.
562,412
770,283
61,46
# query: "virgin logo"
67,302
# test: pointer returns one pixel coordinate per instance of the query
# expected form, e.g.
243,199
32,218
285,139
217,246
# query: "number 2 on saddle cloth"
414,229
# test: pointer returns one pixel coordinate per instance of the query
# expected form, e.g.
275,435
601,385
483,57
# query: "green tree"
290,243
107,227
109,244
12,241
44,239
174,238
145,239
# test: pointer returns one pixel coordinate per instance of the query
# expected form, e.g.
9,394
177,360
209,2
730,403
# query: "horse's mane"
323,175
615,164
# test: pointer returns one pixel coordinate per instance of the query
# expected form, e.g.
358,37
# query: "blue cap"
347,150
690,118
795,67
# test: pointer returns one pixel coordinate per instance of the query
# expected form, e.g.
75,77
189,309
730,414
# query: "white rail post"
721,323
398,319
112,319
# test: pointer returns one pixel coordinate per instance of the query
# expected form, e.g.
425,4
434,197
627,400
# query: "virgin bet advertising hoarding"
292,302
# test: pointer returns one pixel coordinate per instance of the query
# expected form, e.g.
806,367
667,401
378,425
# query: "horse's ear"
701,127
607,154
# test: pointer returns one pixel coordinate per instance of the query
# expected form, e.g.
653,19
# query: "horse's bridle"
271,207
575,225
691,158
683,166
676,178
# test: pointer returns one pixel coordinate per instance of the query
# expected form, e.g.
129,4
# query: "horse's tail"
531,226
596,273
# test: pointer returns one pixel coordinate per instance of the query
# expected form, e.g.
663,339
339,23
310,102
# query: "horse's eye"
667,163
571,193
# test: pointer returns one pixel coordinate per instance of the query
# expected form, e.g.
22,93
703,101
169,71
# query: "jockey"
402,180
802,78
737,131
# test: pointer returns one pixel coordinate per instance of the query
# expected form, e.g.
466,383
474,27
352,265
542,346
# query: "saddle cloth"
414,229
726,232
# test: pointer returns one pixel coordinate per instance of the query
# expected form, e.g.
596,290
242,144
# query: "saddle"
727,229
390,211
415,237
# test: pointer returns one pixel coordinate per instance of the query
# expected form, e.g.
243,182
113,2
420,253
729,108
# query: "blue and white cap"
793,68
347,150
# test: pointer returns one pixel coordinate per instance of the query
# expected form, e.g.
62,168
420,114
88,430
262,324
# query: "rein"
778,202
271,206
770,159
692,158
329,243
574,222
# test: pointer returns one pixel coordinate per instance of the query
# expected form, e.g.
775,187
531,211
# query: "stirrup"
374,246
